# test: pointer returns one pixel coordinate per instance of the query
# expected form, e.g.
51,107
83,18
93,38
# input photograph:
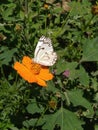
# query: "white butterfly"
44,53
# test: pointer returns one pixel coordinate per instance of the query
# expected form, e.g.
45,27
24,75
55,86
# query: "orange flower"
53,104
95,9
33,72
18,27
46,6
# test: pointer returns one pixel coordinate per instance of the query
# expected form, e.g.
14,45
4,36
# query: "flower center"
35,68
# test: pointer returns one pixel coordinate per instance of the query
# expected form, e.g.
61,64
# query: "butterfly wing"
44,53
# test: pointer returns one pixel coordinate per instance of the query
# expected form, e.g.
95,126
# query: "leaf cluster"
70,102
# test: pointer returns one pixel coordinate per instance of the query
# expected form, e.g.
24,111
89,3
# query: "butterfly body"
44,53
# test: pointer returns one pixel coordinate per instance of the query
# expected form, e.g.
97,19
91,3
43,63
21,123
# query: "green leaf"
76,97
96,127
30,122
63,118
78,9
22,15
96,97
90,50
62,66
9,11
6,55
51,86
34,106
83,76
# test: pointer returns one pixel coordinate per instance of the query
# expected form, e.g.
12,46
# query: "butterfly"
44,53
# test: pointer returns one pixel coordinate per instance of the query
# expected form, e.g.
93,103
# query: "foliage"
70,102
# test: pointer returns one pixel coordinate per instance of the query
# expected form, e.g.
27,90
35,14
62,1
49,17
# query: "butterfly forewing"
44,44
44,53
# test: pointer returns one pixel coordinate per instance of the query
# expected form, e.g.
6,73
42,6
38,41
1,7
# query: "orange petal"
41,82
45,74
27,62
24,72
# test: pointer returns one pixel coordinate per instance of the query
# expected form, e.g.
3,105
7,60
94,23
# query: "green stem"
65,22
40,118
26,8
46,24
88,23
2,72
